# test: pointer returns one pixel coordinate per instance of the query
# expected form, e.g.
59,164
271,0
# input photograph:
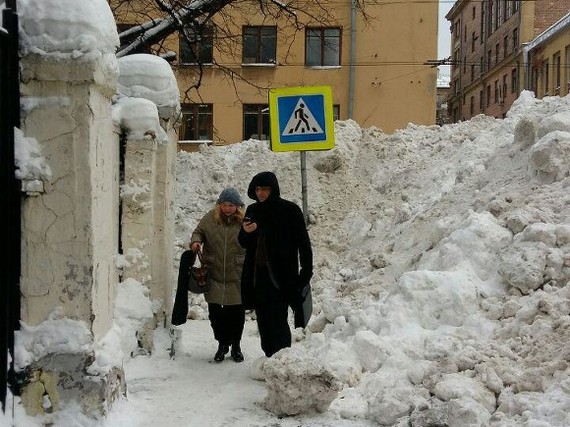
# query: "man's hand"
302,293
249,227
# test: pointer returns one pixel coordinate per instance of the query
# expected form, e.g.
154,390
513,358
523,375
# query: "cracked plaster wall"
70,231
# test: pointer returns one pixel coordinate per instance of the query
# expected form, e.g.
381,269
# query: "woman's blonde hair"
237,217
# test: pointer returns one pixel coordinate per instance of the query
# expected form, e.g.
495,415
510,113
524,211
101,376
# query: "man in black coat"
277,243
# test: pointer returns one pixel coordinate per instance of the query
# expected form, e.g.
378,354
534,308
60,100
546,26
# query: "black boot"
237,355
221,353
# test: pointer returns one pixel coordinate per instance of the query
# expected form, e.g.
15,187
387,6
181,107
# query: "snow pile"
150,77
133,310
147,90
441,288
67,28
297,383
139,118
57,335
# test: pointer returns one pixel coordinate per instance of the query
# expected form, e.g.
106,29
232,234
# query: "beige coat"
223,256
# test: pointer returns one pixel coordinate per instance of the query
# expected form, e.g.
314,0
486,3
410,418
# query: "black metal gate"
9,192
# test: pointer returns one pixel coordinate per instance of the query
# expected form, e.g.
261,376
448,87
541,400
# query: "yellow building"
547,59
374,65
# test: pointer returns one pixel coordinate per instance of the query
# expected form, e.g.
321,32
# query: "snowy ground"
441,288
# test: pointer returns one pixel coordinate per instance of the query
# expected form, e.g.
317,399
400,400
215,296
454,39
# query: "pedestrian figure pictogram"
302,121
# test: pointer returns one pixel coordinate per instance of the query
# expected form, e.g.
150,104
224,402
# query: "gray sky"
444,36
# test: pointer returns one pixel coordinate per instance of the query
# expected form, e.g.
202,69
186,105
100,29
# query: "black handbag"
198,279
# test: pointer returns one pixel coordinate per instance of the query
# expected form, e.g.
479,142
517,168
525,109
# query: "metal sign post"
301,119
304,186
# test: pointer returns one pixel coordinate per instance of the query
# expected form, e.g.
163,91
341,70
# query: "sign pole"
304,186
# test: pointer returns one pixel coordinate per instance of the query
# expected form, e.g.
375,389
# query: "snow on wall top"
149,77
67,27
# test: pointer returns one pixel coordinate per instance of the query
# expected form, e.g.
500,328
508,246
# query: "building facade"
375,65
489,67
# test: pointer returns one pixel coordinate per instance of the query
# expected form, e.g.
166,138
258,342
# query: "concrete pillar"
70,230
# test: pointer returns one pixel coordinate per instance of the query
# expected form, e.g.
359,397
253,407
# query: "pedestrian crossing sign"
301,118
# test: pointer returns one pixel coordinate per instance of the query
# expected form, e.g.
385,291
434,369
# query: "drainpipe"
526,66
352,57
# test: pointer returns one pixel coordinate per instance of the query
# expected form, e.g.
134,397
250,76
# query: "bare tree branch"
148,23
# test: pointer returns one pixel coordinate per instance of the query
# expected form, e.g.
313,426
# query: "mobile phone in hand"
247,219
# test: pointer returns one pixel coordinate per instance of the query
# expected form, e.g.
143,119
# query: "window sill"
324,67
259,64
196,141
195,64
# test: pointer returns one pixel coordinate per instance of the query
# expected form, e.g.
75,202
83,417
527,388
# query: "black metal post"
9,192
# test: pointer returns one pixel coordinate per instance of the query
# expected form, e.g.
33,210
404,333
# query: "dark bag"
198,279
303,307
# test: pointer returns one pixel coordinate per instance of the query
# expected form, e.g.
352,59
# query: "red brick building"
489,67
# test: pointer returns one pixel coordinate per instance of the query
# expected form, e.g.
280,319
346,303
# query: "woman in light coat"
216,234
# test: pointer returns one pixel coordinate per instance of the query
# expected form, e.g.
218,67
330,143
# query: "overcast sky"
444,36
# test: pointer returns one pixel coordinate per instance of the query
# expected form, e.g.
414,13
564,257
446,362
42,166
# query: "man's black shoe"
237,355
222,351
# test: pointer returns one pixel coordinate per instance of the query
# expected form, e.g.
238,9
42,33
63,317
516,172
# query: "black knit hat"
230,195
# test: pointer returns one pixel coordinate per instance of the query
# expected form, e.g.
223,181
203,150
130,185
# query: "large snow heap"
442,262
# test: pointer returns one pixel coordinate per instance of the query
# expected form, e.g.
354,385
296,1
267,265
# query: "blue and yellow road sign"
301,118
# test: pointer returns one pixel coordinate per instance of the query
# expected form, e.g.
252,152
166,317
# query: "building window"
514,80
544,72
473,13
473,38
197,122
567,50
496,91
456,60
534,80
480,101
515,5
488,95
471,105
505,88
496,15
497,53
505,46
259,45
489,59
256,121
515,39
127,40
322,47
196,48
499,12
472,72
336,112
557,68
482,23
